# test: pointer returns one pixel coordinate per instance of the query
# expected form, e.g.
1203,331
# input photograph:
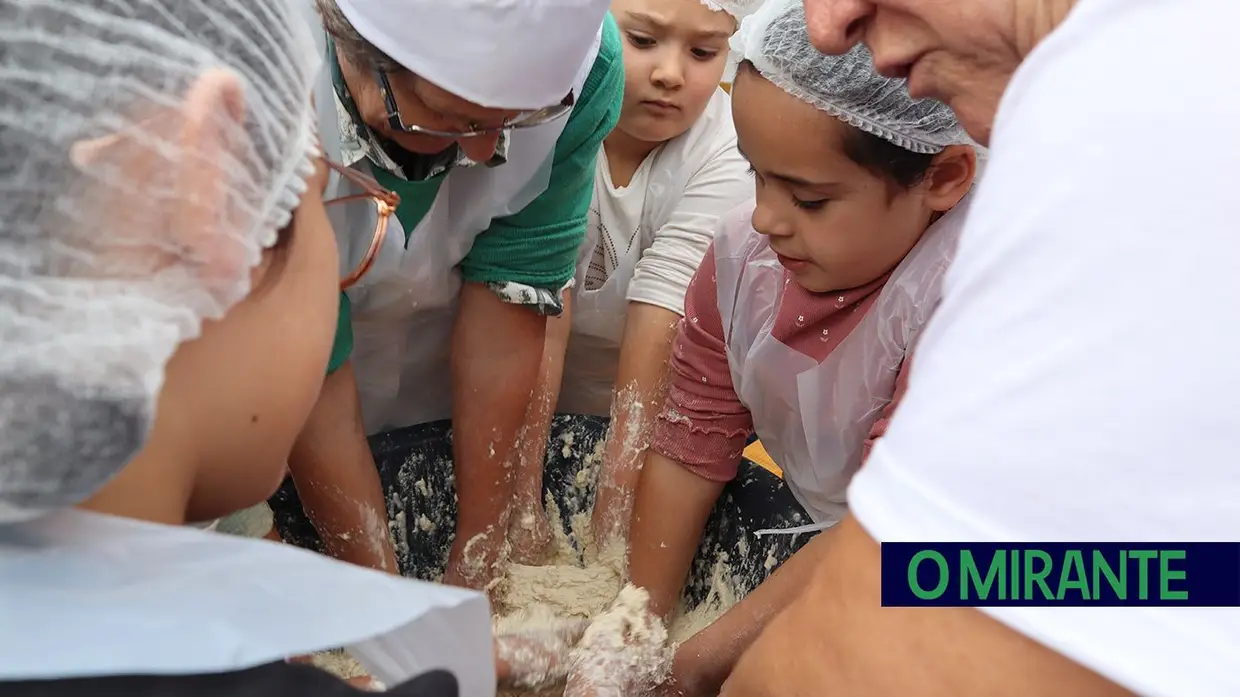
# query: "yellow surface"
758,454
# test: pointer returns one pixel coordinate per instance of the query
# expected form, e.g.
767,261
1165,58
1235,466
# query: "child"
168,295
664,176
800,322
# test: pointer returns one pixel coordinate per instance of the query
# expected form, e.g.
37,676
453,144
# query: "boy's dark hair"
899,166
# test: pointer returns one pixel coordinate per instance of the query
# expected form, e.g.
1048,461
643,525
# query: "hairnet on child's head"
107,261
776,41
740,9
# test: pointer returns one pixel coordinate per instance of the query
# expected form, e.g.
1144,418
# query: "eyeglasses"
356,260
527,119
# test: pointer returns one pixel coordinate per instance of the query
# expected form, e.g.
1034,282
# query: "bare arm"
496,352
704,662
669,515
641,387
528,531
337,480
695,450
835,640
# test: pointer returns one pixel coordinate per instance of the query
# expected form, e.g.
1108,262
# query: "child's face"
834,224
674,55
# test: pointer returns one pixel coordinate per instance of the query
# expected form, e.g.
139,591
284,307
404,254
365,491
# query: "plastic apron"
87,595
813,418
593,355
405,307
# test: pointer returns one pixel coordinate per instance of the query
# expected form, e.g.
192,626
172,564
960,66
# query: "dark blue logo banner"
968,574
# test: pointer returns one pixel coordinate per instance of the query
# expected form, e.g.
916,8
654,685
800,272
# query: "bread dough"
577,581
532,597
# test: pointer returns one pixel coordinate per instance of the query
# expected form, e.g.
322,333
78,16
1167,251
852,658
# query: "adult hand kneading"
486,121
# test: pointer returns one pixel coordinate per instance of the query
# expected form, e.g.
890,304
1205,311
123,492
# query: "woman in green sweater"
486,122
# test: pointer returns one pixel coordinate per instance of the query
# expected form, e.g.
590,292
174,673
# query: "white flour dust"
338,663
414,523
575,581
532,598
624,646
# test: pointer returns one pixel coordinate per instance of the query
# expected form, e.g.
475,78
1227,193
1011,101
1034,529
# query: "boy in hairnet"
162,235
800,323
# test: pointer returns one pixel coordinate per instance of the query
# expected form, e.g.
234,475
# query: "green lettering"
1039,576
1015,565
944,575
970,577
1167,574
1119,584
1074,566
1143,571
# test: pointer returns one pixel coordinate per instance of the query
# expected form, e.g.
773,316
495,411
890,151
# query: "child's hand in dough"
623,652
533,658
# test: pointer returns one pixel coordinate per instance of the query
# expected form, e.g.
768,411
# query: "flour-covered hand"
535,656
623,653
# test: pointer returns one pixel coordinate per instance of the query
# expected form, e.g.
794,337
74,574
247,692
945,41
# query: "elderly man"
486,120
1079,379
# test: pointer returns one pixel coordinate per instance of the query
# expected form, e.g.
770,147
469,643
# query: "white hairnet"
740,9
775,39
106,263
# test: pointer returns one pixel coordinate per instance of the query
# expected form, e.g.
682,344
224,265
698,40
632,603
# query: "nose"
766,219
668,72
835,26
479,148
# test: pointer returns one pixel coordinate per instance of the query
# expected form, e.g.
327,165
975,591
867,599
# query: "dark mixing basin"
415,467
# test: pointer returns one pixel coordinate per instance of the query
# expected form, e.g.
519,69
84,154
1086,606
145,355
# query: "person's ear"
211,136
950,177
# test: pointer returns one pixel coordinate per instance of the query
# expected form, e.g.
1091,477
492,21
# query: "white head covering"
776,40
508,54
97,288
740,9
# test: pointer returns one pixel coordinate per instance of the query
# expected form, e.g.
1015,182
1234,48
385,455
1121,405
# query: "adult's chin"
977,115
420,144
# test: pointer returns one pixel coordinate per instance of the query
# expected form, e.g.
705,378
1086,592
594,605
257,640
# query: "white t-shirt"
670,254
616,212
1080,381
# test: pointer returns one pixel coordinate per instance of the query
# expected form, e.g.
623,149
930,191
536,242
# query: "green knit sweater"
537,246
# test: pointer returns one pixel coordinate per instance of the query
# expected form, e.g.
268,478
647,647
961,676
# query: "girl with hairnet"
801,321
664,176
168,296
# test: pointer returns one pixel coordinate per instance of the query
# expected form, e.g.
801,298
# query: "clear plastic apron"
813,418
405,307
87,595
